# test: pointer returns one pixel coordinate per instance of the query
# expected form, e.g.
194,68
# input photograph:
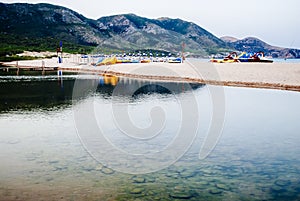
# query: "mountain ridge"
253,44
41,26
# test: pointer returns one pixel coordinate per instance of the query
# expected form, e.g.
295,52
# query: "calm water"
46,154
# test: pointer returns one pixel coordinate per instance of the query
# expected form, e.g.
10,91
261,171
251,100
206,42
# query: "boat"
243,57
145,60
99,61
231,58
174,60
133,60
258,57
108,61
123,60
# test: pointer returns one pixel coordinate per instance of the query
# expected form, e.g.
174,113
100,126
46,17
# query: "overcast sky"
277,22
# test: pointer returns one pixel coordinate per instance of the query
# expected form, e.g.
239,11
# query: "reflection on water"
42,158
45,92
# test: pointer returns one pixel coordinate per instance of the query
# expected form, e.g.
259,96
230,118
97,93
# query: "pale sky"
277,22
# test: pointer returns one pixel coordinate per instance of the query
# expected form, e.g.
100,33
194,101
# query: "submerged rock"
14,141
99,167
187,173
53,161
181,193
223,187
150,179
137,190
281,182
277,189
198,184
106,170
60,169
215,191
139,180
174,175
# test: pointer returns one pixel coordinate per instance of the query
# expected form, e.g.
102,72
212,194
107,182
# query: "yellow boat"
145,61
108,61
231,58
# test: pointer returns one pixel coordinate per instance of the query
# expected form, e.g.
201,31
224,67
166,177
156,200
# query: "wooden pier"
16,67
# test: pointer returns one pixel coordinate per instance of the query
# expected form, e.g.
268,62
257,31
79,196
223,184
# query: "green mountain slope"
38,27
42,26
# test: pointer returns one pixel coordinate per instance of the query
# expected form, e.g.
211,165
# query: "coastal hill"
252,44
38,27
42,26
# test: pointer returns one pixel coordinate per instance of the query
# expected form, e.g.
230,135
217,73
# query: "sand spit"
284,76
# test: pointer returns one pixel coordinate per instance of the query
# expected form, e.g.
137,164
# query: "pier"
15,66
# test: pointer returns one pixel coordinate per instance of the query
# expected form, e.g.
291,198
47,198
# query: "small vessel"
243,57
174,60
123,60
108,61
145,60
231,58
258,57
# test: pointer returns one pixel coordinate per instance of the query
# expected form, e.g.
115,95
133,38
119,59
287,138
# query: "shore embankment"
284,76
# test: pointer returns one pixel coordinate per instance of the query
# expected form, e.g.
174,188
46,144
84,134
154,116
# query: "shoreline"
191,80
280,76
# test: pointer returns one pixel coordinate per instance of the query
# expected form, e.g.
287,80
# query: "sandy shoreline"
284,76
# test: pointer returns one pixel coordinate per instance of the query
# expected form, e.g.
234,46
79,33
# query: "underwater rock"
208,172
137,190
223,187
199,184
181,193
88,169
60,169
99,167
215,191
138,179
173,175
32,158
53,161
81,158
281,182
14,141
277,189
180,169
187,174
49,179
150,179
106,170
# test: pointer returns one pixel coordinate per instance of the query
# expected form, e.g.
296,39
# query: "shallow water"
46,154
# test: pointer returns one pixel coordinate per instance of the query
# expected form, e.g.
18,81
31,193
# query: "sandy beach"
284,76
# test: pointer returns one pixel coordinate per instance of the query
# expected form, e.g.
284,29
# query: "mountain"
131,31
42,26
252,44
229,39
38,27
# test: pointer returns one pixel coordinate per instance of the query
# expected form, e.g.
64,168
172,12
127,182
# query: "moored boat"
108,61
243,57
259,57
231,58
174,60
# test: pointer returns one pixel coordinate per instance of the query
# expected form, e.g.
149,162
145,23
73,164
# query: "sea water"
45,153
